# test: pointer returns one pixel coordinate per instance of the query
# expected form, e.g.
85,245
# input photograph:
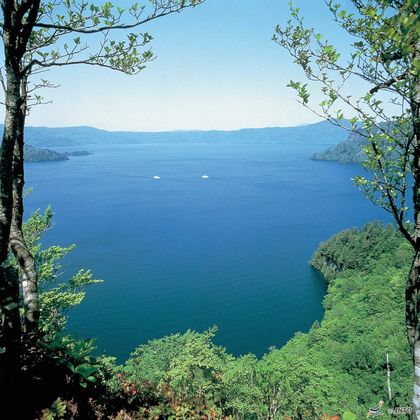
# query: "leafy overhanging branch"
389,66
85,18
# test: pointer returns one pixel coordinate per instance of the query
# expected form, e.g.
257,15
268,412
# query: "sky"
215,68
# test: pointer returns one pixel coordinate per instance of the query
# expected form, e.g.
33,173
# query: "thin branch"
150,18
2,82
85,62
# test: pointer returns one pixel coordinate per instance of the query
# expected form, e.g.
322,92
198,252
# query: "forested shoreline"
37,155
337,368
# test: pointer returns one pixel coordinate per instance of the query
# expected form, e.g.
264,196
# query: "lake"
185,252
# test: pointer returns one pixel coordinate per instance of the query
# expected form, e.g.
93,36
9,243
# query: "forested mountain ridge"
318,133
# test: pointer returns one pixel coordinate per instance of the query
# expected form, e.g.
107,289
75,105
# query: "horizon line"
175,130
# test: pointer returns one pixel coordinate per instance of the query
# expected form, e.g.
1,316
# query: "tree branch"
387,84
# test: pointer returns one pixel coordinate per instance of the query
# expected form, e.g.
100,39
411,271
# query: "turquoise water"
185,252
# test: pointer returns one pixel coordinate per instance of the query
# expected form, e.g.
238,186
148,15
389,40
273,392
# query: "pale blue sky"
216,68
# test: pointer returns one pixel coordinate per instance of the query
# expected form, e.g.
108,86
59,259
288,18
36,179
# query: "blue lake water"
185,252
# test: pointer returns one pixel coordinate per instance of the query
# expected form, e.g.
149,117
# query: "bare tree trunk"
388,374
28,277
412,314
413,285
18,245
9,300
16,31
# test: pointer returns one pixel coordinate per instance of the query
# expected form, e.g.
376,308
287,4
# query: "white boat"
204,177
156,177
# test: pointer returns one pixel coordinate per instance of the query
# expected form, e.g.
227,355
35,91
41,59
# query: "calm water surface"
184,252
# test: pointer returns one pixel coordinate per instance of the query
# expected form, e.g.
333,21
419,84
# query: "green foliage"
348,415
364,318
55,301
189,366
242,394
56,296
76,355
360,250
294,386
57,410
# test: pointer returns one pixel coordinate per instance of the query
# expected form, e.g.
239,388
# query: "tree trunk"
412,314
9,301
413,285
18,245
16,30
28,276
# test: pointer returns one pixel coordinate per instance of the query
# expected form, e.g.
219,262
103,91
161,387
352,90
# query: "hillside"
34,154
364,316
348,151
319,133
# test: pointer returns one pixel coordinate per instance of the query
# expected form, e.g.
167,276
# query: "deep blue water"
183,252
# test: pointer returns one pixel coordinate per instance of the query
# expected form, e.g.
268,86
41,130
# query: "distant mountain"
319,133
348,151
